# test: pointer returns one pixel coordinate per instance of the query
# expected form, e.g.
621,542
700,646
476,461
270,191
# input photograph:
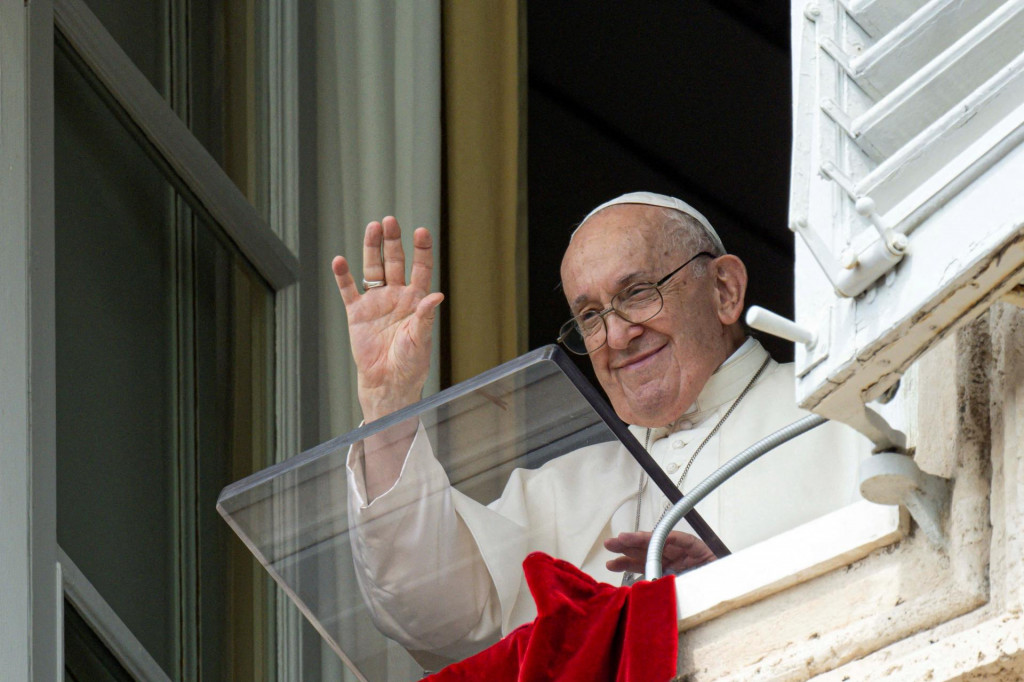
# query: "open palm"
390,326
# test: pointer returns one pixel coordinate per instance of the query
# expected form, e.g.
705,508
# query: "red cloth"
585,631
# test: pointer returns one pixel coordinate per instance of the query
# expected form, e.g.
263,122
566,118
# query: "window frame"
28,533
36,573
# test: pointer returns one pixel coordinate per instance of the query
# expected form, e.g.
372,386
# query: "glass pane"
116,387
342,562
233,422
165,358
139,28
86,656
208,60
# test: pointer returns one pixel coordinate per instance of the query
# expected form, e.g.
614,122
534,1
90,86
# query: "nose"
620,332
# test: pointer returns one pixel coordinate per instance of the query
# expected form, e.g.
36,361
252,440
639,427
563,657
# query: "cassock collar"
725,384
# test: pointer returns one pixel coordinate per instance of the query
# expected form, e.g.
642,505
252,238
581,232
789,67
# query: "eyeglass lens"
635,304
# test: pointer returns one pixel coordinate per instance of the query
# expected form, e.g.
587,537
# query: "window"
170,288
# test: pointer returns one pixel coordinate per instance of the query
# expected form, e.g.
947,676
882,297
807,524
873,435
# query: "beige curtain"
484,85
379,153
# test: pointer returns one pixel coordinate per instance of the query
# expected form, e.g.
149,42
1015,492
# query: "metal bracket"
893,478
855,271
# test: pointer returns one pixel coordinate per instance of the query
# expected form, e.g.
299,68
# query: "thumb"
426,311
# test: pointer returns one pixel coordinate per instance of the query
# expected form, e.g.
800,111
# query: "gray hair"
687,236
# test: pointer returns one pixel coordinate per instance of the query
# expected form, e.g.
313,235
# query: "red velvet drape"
585,631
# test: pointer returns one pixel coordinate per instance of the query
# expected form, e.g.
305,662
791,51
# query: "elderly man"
656,304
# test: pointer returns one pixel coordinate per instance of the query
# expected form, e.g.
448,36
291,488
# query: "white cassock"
442,573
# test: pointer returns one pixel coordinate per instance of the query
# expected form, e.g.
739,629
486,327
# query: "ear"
730,280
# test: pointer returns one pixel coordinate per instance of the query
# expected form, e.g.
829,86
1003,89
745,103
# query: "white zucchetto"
663,201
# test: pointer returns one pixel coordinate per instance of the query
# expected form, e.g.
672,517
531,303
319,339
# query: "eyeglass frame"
566,329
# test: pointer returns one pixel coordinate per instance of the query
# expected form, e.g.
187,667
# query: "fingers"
641,539
681,551
384,256
632,547
422,259
426,308
687,551
621,563
373,267
394,255
343,276
627,542
425,313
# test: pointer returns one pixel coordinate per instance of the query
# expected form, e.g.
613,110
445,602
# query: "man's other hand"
682,551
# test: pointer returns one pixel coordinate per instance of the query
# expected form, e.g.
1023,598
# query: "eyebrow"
622,282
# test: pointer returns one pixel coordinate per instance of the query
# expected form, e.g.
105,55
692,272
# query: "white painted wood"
771,323
834,540
878,17
106,624
28,535
59,611
985,125
192,170
940,158
942,83
882,67
817,138
967,255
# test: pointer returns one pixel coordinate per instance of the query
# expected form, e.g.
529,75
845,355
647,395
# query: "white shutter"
907,190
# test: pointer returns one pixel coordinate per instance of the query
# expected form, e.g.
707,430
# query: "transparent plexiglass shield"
340,558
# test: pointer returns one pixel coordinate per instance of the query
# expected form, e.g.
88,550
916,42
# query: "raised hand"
682,551
389,325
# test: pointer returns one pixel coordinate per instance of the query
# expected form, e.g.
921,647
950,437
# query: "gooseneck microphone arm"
704,488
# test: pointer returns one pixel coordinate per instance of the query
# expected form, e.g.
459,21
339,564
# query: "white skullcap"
652,199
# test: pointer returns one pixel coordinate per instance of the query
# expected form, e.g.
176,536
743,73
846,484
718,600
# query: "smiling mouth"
638,358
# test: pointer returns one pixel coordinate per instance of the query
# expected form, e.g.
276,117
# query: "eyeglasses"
637,303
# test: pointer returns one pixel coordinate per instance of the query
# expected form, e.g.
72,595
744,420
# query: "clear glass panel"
115,345
407,560
165,357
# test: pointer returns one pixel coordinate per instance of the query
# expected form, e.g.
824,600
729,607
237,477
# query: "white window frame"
28,525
